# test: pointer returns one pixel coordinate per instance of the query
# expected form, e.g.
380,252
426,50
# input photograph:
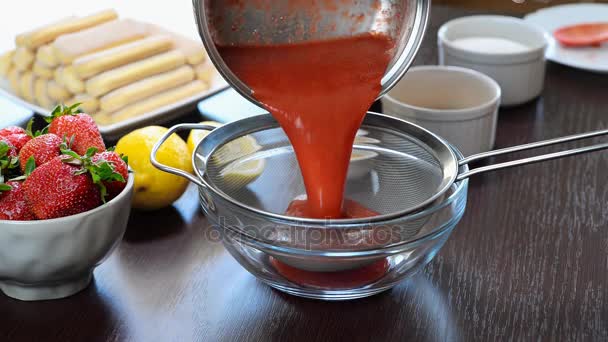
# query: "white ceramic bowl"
458,104
520,74
51,259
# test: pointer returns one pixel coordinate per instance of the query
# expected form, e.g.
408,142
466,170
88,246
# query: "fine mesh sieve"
391,171
397,167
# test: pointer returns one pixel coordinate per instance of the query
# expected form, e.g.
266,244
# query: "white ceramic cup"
521,74
458,104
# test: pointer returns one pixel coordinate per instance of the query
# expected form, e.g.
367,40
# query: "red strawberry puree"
319,92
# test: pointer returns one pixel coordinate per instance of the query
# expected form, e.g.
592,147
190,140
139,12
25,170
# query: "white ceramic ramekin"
51,259
458,104
521,75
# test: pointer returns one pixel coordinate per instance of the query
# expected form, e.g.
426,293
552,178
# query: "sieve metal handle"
169,169
534,159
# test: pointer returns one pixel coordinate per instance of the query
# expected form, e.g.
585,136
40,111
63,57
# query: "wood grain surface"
529,261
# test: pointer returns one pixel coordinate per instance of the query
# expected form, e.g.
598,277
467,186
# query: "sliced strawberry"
120,166
42,148
13,205
79,127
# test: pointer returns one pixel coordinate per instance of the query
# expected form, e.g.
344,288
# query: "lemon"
240,173
237,170
155,189
358,155
196,135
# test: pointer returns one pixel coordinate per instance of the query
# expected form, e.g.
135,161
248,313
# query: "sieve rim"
218,137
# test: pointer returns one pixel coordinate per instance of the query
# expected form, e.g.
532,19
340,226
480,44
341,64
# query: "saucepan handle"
534,159
170,169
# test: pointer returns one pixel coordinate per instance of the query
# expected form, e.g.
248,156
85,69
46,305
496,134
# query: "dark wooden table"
528,261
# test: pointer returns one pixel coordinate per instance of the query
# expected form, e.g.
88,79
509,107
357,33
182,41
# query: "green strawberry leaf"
55,113
125,159
4,148
91,152
62,110
14,163
30,166
38,133
73,109
71,153
103,191
81,171
111,149
28,128
103,171
5,187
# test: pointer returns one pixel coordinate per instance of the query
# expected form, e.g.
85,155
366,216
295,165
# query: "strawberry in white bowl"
62,210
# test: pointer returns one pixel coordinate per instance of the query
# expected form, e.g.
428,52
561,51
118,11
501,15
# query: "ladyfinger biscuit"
23,39
14,77
88,103
93,64
40,94
102,118
71,46
46,56
160,100
205,72
58,76
6,60
127,74
193,50
43,71
23,58
26,86
70,81
57,92
139,90
48,33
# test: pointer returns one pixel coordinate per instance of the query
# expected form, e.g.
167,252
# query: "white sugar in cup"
508,49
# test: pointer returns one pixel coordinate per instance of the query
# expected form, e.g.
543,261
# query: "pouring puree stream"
319,93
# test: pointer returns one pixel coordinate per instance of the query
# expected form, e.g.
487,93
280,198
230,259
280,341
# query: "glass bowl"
373,257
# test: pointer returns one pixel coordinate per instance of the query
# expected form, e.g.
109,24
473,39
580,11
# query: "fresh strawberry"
67,122
42,148
56,189
120,166
13,205
17,136
68,184
10,130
